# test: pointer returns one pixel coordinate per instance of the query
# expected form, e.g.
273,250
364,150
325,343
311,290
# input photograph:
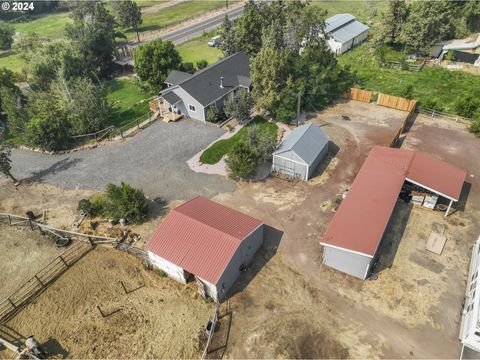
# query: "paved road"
154,160
196,29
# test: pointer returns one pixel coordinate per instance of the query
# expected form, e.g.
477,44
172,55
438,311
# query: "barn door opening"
201,287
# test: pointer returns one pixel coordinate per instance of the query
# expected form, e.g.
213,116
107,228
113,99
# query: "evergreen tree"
5,162
393,20
129,14
241,161
249,28
229,42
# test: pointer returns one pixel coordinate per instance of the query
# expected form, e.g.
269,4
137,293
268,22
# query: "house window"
191,107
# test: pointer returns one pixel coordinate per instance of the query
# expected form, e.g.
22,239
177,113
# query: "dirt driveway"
294,306
153,160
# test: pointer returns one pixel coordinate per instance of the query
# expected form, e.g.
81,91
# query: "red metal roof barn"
354,234
207,241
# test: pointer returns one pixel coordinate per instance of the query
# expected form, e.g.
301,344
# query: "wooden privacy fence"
359,95
396,102
21,297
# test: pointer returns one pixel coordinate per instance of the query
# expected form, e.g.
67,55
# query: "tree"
394,19
129,14
16,115
427,23
5,162
241,161
268,74
154,61
407,92
471,14
240,106
468,105
248,29
6,36
125,202
201,64
262,143
229,42
7,81
93,35
215,115
27,45
285,108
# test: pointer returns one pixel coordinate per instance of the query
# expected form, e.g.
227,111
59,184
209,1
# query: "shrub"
407,92
6,36
122,201
201,64
215,115
467,105
188,67
431,104
241,161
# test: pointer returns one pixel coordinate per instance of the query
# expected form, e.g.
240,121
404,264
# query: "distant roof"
344,27
201,236
470,43
204,85
306,141
361,219
171,98
176,77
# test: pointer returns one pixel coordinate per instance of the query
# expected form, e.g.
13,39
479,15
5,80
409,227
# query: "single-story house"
464,50
343,32
209,242
301,152
355,232
470,325
191,95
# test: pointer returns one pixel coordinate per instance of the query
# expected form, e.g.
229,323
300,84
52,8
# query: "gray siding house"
192,94
301,152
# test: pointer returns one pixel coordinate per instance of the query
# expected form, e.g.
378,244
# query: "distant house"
192,94
205,241
464,50
343,32
301,152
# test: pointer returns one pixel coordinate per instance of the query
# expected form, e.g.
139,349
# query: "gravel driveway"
154,160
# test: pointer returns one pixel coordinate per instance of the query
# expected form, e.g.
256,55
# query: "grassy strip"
11,60
222,147
197,49
126,100
51,26
433,83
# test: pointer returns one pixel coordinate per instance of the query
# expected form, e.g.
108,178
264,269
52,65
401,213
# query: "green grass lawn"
436,83
222,147
197,49
51,26
11,60
126,100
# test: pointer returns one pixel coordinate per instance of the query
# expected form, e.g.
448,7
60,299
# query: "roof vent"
221,82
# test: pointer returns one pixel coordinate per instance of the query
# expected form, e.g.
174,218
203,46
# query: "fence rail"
33,286
132,250
444,115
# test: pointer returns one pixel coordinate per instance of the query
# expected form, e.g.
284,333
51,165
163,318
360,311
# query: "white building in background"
470,325
344,32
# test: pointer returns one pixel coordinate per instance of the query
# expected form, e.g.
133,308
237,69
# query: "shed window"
191,107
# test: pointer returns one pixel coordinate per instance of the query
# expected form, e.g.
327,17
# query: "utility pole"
299,96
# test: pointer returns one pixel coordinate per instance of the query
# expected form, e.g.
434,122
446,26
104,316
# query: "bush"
431,104
467,105
188,67
241,161
6,36
407,92
201,64
215,115
119,202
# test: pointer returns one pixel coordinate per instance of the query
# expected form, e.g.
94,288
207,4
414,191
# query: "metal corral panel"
353,264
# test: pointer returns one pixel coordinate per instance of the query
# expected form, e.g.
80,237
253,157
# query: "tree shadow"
333,149
271,242
392,236
157,207
55,168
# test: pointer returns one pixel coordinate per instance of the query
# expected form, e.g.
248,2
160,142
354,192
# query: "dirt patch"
23,254
161,319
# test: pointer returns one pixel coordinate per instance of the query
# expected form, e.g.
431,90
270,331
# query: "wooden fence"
21,297
359,95
396,102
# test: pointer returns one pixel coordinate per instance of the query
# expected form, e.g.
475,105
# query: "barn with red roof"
205,241
355,232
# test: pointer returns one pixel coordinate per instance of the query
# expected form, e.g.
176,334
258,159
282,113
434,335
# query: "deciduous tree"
241,161
129,14
5,162
154,61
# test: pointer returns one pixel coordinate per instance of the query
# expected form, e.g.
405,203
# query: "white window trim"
190,108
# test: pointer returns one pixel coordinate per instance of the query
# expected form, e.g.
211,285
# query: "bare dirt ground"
24,252
288,304
161,319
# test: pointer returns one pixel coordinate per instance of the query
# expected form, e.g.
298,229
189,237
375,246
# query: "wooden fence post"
9,220
40,281
61,258
11,303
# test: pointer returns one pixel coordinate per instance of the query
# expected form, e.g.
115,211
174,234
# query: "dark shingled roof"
171,98
204,85
176,77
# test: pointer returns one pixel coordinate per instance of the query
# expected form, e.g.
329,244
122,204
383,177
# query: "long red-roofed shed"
207,240
355,232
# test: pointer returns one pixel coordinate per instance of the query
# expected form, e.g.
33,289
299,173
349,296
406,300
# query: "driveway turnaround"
153,160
